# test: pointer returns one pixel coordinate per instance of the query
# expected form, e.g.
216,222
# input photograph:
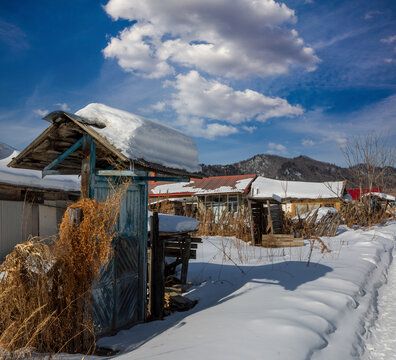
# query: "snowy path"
382,342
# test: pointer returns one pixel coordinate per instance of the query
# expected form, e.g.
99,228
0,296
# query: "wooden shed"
270,199
103,144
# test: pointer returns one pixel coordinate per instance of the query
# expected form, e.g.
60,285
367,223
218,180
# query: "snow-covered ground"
381,343
257,303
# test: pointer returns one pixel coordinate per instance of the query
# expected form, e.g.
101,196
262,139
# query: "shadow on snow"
229,283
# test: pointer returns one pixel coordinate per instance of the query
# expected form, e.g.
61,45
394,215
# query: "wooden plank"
171,245
282,244
157,285
179,253
185,260
251,222
88,167
63,156
270,225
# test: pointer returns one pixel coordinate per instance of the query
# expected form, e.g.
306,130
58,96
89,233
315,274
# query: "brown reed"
45,284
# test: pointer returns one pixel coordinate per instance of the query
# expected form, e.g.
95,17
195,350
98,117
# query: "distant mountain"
5,150
301,168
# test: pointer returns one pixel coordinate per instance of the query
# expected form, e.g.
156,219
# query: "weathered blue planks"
119,298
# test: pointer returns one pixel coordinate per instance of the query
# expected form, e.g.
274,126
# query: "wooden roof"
64,131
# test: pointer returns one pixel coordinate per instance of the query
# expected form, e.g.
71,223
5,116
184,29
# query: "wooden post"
88,167
157,285
75,216
269,218
185,259
252,225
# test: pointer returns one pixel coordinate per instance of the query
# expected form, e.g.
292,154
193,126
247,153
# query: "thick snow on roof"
174,224
209,185
140,138
32,178
264,188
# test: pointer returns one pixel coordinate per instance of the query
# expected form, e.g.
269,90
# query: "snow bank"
271,307
175,224
32,178
141,138
270,188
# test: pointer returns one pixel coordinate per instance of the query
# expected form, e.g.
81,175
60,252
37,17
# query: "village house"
216,194
297,197
29,204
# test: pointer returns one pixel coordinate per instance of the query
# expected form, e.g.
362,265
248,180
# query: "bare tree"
371,160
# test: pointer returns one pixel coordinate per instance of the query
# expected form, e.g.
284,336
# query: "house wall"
299,207
19,220
218,203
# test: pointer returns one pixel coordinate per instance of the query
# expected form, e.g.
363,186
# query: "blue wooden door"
119,297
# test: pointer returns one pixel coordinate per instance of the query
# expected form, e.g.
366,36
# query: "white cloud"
229,38
336,129
249,129
276,149
13,36
389,39
340,37
211,99
63,106
136,50
41,112
390,60
159,106
198,127
370,14
308,142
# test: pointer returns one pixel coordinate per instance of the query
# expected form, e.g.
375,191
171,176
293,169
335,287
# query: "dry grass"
228,224
362,213
45,287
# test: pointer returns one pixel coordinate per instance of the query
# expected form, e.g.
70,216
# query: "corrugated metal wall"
19,220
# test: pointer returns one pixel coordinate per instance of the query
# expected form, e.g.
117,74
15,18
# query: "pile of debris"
320,222
174,298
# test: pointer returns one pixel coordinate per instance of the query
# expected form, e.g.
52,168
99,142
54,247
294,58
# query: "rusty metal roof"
209,185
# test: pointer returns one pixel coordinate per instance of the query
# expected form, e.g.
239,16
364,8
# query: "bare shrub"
364,213
45,286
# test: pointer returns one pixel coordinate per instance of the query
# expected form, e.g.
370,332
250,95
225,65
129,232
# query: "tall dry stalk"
45,286
228,224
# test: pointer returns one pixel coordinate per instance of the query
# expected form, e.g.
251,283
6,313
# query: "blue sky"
240,76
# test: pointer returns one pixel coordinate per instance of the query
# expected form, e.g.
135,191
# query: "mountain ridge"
300,168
